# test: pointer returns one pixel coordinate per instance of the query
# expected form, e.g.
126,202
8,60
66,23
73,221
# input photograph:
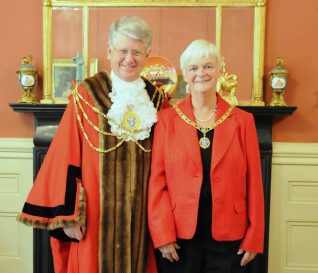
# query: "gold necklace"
207,119
204,142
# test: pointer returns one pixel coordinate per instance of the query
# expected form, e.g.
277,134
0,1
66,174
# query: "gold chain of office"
77,98
204,141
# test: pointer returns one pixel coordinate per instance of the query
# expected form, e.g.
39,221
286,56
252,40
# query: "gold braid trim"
75,94
142,148
206,129
77,97
161,97
60,223
96,110
161,94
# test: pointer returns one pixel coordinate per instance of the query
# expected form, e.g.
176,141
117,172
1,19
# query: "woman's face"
202,76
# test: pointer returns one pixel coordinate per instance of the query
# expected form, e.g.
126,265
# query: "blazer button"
218,200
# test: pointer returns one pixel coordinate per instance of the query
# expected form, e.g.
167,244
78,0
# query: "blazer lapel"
187,133
223,134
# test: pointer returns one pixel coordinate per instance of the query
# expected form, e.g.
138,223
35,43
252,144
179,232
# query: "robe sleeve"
57,198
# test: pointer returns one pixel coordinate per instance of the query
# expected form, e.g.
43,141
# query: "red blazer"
236,179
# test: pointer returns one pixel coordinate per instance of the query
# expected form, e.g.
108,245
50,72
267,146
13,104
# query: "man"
91,189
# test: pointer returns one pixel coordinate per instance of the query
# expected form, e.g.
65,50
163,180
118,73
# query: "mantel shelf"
256,110
37,107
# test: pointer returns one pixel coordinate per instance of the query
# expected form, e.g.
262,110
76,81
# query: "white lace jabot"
127,97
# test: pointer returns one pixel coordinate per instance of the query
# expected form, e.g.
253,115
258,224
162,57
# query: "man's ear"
109,50
148,53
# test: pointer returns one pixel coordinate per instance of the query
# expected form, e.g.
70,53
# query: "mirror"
236,27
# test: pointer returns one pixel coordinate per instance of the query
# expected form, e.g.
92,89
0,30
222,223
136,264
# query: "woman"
205,198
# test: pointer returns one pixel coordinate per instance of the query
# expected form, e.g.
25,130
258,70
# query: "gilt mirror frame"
259,7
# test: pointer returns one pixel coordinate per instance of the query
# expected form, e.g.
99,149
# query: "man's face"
127,57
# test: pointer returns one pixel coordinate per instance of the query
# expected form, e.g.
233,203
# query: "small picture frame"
63,76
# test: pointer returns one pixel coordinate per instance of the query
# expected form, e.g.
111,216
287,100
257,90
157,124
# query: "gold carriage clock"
278,82
27,80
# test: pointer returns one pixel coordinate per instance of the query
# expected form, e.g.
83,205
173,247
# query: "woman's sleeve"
254,238
57,198
160,215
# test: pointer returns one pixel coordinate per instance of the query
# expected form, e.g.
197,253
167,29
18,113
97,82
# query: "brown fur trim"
124,175
79,220
59,223
99,87
31,222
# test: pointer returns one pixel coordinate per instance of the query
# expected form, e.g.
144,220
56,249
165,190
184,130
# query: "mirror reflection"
173,29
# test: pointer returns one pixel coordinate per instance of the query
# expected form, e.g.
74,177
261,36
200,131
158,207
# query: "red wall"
21,35
290,34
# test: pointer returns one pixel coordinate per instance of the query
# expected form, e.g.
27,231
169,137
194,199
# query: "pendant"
204,142
131,121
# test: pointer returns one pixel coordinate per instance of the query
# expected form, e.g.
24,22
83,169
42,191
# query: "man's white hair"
133,27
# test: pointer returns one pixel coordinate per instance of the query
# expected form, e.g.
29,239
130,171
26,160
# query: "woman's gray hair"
134,28
197,50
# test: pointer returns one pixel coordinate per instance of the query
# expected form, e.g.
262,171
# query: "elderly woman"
91,190
205,198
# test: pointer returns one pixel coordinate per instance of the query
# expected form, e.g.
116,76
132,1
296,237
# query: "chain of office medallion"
77,97
204,129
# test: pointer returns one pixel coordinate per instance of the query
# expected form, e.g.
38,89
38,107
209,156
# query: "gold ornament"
27,80
278,82
204,142
131,120
227,86
78,98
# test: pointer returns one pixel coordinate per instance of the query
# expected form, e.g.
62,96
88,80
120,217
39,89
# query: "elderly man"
91,189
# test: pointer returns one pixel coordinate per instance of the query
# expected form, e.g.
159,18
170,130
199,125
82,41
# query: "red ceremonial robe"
107,192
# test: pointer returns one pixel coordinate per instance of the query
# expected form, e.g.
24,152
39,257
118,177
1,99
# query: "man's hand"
75,232
169,252
247,257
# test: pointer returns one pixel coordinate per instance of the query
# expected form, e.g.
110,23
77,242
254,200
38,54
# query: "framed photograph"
64,74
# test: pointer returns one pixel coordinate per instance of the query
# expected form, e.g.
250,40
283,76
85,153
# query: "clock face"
27,81
278,82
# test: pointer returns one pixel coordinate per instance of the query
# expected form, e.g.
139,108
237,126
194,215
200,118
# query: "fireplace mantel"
47,118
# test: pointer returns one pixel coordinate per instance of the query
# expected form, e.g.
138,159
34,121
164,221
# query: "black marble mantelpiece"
47,118
46,121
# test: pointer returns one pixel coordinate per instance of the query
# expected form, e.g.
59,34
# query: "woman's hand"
169,252
247,257
75,232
